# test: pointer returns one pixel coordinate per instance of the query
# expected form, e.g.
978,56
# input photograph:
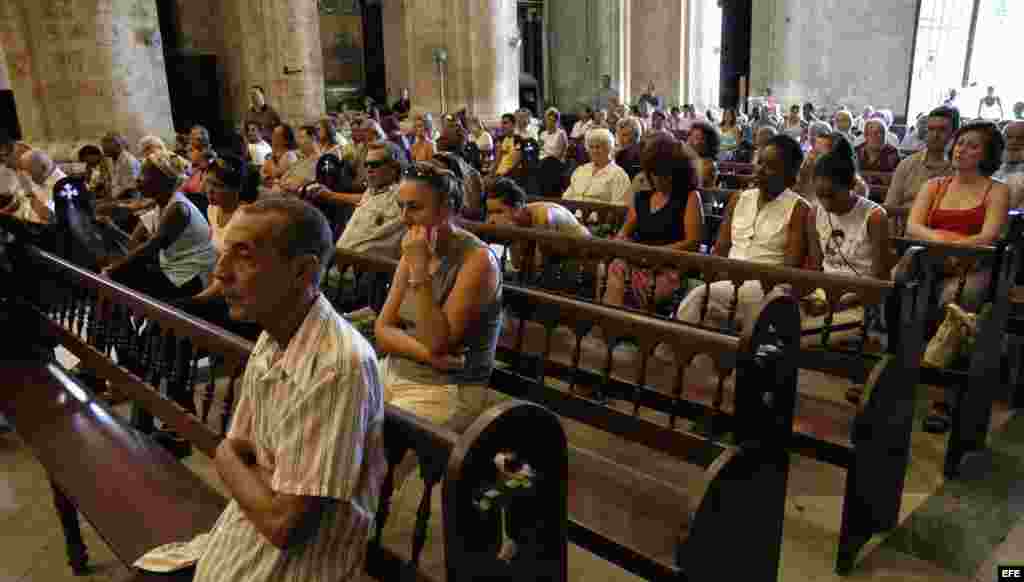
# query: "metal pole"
970,42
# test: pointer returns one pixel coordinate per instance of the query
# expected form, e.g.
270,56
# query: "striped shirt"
316,408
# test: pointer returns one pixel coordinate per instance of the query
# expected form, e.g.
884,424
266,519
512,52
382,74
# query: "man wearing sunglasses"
376,224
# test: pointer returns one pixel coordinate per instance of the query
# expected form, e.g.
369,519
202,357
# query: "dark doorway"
735,77
531,51
193,80
373,51
9,115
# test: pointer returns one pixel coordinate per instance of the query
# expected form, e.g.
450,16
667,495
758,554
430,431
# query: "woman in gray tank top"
440,324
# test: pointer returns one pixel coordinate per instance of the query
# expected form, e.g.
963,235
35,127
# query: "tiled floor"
32,544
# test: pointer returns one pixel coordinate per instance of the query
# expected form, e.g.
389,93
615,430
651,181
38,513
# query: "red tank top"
965,221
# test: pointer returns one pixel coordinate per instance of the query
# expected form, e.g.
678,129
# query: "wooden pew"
634,519
978,384
874,434
98,463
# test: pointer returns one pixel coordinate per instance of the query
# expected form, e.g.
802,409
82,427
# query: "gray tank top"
192,253
480,340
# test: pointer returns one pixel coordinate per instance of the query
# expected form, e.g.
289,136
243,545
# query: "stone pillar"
269,36
586,40
80,71
482,68
5,80
657,40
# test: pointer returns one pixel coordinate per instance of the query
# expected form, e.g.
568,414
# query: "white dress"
758,236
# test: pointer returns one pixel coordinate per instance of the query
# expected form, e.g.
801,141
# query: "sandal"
938,420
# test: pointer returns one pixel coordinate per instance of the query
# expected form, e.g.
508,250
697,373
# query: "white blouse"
609,185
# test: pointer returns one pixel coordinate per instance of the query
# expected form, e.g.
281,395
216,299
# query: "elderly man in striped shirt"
304,458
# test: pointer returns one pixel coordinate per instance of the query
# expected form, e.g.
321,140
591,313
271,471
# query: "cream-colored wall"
78,72
657,48
482,71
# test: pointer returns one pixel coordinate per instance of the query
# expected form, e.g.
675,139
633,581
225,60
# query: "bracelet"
416,283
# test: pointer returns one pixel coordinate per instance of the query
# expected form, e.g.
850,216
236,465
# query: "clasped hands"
244,452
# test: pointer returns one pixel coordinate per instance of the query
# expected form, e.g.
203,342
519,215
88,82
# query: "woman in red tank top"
966,208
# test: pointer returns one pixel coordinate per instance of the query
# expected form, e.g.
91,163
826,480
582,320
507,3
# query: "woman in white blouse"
600,180
553,137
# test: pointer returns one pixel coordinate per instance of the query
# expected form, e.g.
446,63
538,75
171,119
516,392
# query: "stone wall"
81,69
482,69
585,40
658,48
833,52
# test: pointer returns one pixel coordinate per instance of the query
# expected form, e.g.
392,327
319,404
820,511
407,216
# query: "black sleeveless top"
663,227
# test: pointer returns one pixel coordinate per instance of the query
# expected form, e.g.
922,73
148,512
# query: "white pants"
750,296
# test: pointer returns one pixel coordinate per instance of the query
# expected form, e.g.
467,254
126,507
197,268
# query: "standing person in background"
261,113
990,106
651,97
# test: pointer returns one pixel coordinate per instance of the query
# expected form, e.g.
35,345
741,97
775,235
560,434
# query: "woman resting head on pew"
967,208
440,323
850,234
703,137
669,215
766,224
507,204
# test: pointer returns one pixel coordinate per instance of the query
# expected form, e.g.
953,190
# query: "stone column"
658,48
81,69
482,68
269,36
5,79
586,40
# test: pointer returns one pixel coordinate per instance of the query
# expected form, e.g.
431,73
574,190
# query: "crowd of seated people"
805,206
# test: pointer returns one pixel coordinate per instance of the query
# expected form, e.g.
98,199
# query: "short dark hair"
305,230
508,117
230,170
88,150
712,140
839,164
995,143
949,113
508,192
289,135
792,155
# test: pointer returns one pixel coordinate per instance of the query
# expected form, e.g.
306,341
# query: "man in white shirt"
259,149
124,174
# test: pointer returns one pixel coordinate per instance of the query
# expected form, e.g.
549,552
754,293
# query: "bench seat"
133,492
642,513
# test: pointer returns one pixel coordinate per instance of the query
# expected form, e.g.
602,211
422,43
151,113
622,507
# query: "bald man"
1012,170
